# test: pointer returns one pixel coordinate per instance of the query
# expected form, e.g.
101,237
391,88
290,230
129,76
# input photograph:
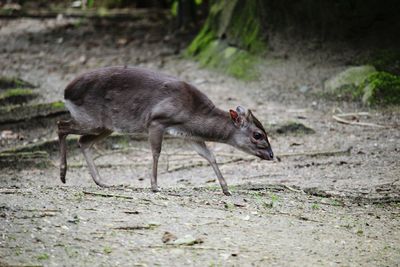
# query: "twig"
299,217
195,247
293,189
341,120
135,227
106,195
353,114
317,153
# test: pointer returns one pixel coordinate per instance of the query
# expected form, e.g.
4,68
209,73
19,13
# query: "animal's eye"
257,135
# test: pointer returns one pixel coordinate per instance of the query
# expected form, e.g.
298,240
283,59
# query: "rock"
27,112
16,96
13,82
168,237
381,88
293,128
351,77
304,89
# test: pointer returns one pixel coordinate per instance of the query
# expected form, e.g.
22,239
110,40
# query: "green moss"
16,92
381,88
233,61
231,39
201,42
16,96
43,256
26,112
13,82
58,105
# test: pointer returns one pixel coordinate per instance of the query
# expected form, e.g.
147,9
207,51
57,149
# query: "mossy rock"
11,114
16,96
381,88
13,82
348,79
20,160
231,39
292,127
231,60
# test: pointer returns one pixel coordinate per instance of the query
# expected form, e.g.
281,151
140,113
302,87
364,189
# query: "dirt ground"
308,209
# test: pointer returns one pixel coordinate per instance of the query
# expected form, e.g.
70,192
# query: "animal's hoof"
155,189
101,184
227,193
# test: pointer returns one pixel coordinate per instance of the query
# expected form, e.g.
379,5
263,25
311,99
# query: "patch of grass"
78,196
334,202
107,250
229,206
273,201
72,253
58,105
360,232
43,256
16,92
274,198
315,206
18,251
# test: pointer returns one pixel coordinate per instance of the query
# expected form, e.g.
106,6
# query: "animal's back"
123,98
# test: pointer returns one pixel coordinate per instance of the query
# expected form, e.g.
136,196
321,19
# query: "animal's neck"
215,126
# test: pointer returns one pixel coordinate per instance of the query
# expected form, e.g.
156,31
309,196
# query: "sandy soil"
339,210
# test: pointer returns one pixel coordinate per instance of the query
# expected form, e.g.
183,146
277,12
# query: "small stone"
188,240
168,237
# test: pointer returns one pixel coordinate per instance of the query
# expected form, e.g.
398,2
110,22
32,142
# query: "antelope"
137,100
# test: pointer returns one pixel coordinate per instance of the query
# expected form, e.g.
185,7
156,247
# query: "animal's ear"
249,116
234,114
236,118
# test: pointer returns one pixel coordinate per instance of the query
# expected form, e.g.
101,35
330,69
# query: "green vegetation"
231,39
16,92
58,105
107,250
315,206
43,256
381,88
26,112
16,96
13,82
365,84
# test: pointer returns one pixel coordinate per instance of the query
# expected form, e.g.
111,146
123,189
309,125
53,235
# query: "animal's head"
250,135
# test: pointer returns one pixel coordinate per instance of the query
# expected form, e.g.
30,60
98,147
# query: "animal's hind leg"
86,142
64,129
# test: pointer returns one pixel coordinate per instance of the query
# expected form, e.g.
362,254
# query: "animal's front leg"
156,132
203,151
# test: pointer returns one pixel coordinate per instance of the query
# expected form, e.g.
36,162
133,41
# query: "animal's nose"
271,154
